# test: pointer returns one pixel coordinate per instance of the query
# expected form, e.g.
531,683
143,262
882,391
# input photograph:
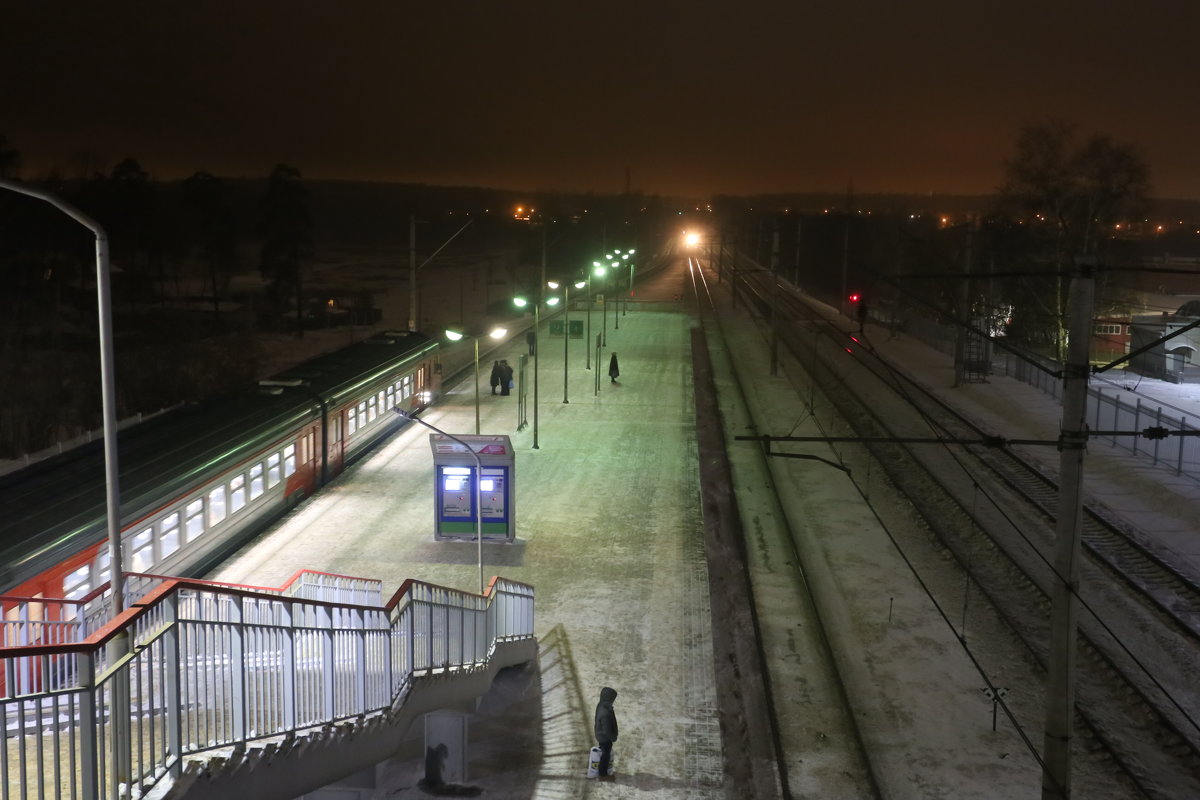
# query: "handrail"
216,666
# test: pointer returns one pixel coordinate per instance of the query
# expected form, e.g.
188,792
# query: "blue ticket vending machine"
455,491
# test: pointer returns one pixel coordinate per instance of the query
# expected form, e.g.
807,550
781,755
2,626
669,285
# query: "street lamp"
521,302
566,287
598,270
454,336
118,646
627,257
478,481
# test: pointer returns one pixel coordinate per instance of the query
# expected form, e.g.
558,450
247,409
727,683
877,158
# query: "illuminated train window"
168,537
237,493
142,545
391,397
407,383
372,411
195,519
273,470
76,584
289,459
256,481
216,505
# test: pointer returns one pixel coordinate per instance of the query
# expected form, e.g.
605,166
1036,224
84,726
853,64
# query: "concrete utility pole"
1060,681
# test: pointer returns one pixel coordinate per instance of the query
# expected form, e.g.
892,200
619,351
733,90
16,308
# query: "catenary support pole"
1060,681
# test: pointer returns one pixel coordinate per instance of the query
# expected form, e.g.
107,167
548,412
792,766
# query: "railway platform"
610,533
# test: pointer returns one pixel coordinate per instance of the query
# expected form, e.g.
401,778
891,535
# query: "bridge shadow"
528,738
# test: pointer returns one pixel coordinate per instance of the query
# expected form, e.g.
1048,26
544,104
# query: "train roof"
59,503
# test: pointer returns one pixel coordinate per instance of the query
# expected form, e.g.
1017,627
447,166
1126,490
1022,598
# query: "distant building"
1174,360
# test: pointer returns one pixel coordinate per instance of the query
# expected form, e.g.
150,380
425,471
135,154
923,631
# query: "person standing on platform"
496,372
613,370
606,731
531,340
506,377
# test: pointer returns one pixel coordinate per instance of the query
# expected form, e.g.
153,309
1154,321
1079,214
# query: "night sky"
695,99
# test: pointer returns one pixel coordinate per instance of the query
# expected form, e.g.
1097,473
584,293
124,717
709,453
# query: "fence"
212,667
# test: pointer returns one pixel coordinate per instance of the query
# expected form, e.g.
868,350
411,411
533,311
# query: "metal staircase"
238,691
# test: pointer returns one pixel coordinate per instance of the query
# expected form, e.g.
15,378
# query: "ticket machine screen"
458,493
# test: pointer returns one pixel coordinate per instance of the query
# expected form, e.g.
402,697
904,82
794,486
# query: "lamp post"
599,271
118,646
521,302
566,287
628,257
478,483
454,336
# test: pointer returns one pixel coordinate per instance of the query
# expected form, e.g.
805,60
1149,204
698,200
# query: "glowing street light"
454,336
521,302
566,287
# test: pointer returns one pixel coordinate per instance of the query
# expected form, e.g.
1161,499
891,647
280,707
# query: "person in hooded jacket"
496,373
613,369
506,377
606,730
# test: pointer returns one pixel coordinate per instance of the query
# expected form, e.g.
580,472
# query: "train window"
391,397
407,381
371,409
237,493
195,519
76,585
142,545
382,402
102,562
273,469
289,459
168,536
352,421
256,481
216,505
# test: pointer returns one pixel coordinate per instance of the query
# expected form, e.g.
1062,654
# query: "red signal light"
854,298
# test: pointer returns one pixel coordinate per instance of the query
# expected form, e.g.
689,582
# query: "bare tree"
1070,191
286,227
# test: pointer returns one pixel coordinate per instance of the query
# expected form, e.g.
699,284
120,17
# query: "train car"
198,482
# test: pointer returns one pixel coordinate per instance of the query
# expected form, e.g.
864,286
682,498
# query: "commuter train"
200,480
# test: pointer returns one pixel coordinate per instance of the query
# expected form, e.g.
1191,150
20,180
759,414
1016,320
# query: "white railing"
215,667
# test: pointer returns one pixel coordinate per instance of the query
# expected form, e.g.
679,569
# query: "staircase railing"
213,667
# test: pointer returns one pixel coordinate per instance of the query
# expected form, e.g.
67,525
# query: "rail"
213,667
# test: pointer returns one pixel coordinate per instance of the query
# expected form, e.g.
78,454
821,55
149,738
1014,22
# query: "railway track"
1139,643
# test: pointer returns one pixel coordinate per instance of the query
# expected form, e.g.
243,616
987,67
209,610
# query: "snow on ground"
613,599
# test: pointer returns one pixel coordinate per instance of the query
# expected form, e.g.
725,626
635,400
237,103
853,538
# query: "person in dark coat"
496,371
606,730
506,373
531,340
613,370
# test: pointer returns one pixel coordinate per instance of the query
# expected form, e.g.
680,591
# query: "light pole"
118,646
628,257
566,287
599,271
521,302
478,483
454,336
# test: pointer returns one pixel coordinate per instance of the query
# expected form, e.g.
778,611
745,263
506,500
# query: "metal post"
603,320
1060,682
537,322
478,487
118,646
475,339
566,335
588,336
412,272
